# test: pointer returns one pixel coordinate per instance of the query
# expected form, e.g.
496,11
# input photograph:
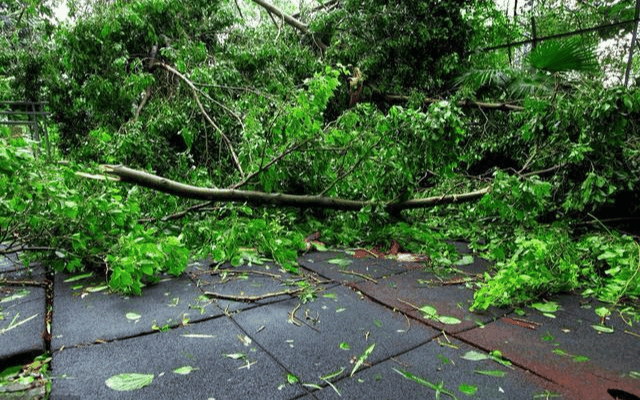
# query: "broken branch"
288,200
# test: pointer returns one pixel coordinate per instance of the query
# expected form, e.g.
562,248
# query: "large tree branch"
286,200
302,27
299,25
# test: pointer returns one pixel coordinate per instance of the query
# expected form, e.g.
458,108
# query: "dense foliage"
194,92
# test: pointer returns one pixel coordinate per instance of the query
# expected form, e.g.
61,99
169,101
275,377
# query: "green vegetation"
363,102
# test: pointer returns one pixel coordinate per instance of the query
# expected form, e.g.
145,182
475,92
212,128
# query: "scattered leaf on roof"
127,382
465,260
132,316
19,294
491,372
79,277
291,378
363,357
342,262
548,307
467,389
448,320
94,289
184,370
473,355
603,328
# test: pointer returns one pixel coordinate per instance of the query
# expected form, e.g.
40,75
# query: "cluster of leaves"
399,45
78,222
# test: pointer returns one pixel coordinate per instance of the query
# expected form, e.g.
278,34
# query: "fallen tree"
168,186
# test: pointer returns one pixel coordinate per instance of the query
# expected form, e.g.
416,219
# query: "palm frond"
568,55
536,84
484,77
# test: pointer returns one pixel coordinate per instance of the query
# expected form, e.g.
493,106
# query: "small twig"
528,162
526,321
23,283
227,109
239,10
238,271
350,171
367,251
270,163
21,249
292,315
599,222
252,298
178,215
543,171
628,332
454,281
407,303
204,113
367,277
408,322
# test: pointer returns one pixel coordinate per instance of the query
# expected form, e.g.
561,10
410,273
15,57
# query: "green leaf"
428,311
132,316
465,260
580,358
560,352
493,372
363,357
603,328
548,307
79,277
439,388
184,370
127,382
473,355
345,346
467,389
19,294
292,379
332,375
342,262
448,320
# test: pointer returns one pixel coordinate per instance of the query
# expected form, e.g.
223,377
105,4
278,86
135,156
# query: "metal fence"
14,113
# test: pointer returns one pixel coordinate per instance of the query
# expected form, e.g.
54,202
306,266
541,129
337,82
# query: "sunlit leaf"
448,320
548,307
473,355
184,370
467,389
127,382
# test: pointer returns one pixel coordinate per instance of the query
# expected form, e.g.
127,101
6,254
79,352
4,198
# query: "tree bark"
302,27
168,186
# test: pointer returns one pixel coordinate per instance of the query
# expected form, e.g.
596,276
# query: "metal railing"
36,119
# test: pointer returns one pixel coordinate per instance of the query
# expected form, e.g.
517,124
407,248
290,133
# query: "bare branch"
302,27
